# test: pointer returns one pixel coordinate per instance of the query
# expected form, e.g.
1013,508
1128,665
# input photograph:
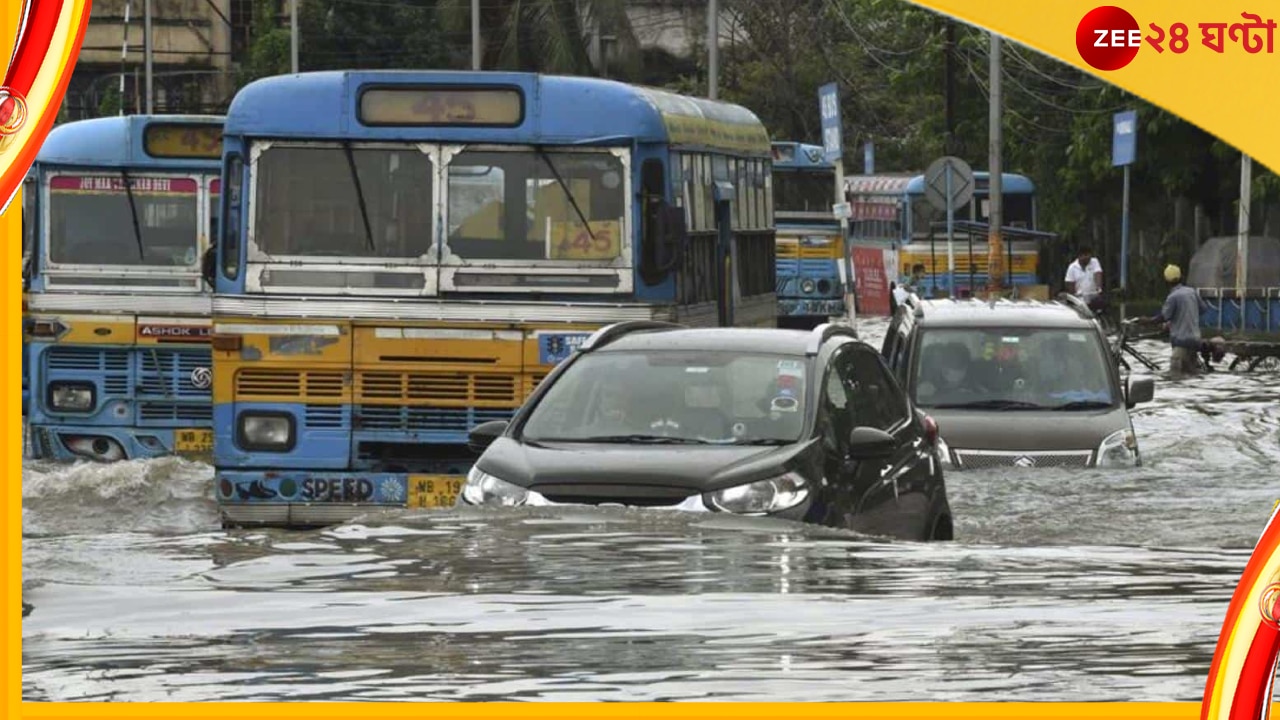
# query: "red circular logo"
1108,37
13,111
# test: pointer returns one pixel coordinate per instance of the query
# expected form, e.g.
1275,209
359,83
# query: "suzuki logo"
1025,461
202,378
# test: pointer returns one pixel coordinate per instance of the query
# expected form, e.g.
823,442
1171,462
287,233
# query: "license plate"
434,491
193,442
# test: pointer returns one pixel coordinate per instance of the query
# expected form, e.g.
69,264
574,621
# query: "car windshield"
674,396
1012,368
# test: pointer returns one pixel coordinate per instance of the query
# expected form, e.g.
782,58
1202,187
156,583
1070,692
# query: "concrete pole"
475,34
995,244
148,41
293,36
713,49
1242,236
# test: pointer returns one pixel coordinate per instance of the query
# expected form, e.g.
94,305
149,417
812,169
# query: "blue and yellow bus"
407,254
29,197
891,212
811,267
118,313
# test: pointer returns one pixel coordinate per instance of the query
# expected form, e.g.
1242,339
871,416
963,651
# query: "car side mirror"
483,435
868,443
1141,391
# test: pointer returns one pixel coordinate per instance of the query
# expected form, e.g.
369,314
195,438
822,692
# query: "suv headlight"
1120,449
763,496
807,286
71,396
266,431
481,488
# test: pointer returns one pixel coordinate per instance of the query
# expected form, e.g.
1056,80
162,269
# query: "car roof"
1011,313
745,340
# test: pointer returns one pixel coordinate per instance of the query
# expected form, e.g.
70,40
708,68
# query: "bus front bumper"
68,443
301,498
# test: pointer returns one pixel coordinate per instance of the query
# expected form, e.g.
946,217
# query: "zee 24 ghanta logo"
1108,37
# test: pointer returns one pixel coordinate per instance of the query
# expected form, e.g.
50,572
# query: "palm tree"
553,36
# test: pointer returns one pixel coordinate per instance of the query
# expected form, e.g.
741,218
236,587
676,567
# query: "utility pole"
475,34
124,53
293,36
995,193
949,90
713,49
1242,236
147,41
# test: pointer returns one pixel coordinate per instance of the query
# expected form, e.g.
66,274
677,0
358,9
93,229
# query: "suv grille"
981,459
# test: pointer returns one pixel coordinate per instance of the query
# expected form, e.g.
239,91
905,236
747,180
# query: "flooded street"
1061,585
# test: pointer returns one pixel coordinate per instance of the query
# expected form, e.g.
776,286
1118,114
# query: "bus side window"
233,178
652,194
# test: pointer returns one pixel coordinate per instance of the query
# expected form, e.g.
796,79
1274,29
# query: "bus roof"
913,184
555,110
793,155
121,141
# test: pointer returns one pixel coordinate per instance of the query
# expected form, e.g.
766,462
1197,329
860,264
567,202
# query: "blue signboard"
1124,138
829,108
555,347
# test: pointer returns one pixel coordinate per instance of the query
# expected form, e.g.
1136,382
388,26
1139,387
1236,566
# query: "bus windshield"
92,221
28,215
335,201
527,205
807,191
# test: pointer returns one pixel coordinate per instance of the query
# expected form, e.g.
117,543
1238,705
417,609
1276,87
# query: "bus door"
727,288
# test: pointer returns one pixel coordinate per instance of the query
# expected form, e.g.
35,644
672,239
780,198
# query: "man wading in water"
1181,312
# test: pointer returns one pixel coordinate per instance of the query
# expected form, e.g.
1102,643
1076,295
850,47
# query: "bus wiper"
133,210
364,210
565,187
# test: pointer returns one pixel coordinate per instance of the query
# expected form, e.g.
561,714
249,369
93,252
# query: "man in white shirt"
1084,278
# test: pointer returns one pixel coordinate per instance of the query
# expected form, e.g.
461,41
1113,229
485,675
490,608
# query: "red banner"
872,284
148,185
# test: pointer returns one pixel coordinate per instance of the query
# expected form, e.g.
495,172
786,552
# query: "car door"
898,490
843,482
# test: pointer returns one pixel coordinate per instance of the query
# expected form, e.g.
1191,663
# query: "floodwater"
1061,585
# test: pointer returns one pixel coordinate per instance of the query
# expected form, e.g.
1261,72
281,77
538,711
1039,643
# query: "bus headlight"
266,431
807,287
71,396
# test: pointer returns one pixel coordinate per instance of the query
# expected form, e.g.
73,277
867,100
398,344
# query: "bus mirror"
668,244
674,231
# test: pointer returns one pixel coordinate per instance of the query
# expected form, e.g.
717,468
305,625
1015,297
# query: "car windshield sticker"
698,370
1077,337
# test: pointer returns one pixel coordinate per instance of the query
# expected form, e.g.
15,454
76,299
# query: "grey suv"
1020,383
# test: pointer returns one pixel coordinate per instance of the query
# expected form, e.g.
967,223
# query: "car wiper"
565,187
364,209
1083,405
992,405
133,210
761,441
636,438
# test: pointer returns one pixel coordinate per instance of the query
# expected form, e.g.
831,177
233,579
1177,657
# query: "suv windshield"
1012,368
674,396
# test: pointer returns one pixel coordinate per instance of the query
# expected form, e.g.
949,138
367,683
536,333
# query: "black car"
806,426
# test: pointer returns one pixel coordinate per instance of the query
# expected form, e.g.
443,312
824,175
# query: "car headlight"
807,286
482,488
73,397
944,454
1120,449
762,497
266,431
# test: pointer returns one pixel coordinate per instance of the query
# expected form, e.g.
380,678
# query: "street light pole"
148,40
475,34
293,35
713,49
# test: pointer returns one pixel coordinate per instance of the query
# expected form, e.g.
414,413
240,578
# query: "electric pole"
475,34
713,49
293,35
147,41
995,216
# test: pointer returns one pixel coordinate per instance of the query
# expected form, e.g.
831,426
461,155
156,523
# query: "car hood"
593,468
1027,429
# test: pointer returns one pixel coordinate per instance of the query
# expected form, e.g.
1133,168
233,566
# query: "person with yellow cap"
1181,314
